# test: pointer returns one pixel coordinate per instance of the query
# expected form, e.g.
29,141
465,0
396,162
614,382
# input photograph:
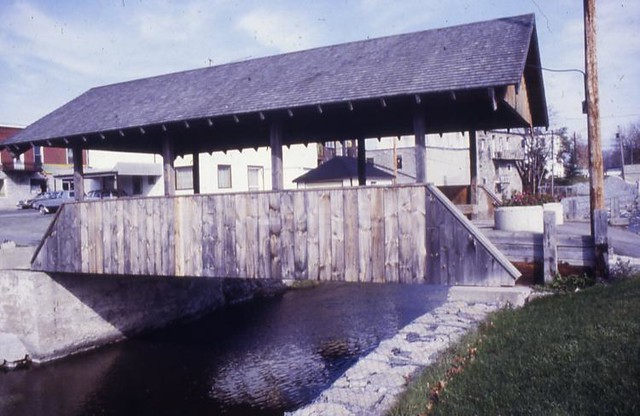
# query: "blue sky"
53,50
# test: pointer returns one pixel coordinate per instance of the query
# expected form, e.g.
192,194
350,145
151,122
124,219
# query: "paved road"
23,226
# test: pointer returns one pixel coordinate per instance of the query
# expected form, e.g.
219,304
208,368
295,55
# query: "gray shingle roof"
471,56
339,168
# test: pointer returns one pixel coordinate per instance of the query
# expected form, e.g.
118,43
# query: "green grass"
568,354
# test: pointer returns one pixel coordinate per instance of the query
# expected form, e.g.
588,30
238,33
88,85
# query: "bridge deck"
406,234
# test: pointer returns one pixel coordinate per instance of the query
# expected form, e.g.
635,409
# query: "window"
67,185
399,162
69,156
255,176
151,180
137,185
184,178
37,155
369,161
224,176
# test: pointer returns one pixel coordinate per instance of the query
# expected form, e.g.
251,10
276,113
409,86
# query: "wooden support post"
195,170
473,168
596,173
550,247
275,142
419,129
78,175
362,162
169,171
601,243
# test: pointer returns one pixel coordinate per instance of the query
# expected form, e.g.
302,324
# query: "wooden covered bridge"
466,78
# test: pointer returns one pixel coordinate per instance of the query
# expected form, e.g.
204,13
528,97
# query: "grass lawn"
568,354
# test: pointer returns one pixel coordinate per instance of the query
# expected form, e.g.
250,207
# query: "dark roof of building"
339,168
454,59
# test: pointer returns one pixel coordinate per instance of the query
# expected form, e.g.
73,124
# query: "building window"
184,178
255,176
67,185
369,161
137,185
151,180
224,176
399,162
69,156
37,155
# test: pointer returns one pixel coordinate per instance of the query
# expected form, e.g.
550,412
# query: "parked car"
55,200
106,194
28,203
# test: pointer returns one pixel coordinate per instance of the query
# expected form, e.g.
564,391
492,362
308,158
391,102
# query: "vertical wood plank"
324,235
377,235
159,239
107,236
364,234
550,247
312,235
287,235
418,205
337,235
252,236
391,234
84,238
195,241
275,230
241,234
351,236
208,236
150,236
301,271
230,256
264,248
119,233
405,229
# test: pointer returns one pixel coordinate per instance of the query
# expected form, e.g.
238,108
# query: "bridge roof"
460,77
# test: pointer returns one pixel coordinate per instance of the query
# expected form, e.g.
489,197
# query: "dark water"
258,358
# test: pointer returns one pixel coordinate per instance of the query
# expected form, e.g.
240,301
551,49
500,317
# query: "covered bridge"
472,77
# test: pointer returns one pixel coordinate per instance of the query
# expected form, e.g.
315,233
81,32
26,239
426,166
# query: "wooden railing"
406,234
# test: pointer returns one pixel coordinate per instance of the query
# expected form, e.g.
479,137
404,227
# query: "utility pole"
596,174
621,153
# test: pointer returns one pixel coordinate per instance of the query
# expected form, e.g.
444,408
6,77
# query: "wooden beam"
169,172
492,96
362,162
186,124
383,102
419,130
209,122
319,107
142,131
550,247
275,142
236,118
78,175
473,168
350,105
418,99
195,171
289,112
261,114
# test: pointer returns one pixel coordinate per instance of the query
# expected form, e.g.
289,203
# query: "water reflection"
261,357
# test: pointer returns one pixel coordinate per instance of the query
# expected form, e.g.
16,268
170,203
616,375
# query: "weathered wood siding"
528,248
406,234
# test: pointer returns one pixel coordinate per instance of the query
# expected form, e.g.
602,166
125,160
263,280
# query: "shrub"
571,282
520,200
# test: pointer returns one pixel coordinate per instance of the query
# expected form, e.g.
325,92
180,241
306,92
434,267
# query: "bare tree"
537,152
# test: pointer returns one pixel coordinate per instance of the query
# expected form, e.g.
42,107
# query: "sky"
51,51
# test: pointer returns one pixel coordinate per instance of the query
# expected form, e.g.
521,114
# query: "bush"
571,282
521,200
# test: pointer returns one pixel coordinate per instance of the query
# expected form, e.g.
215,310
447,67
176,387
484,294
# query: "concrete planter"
527,218
557,208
